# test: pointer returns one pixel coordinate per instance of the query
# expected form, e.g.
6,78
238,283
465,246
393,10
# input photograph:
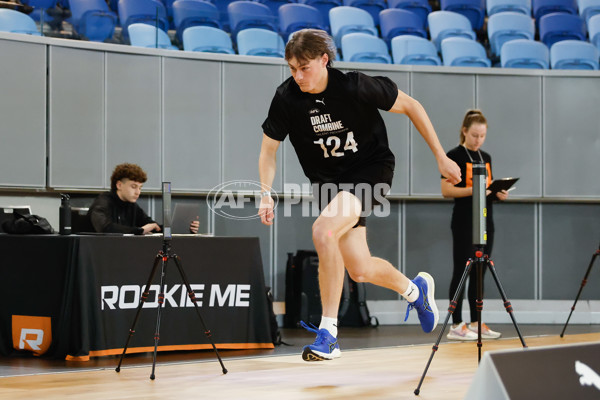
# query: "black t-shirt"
462,215
337,131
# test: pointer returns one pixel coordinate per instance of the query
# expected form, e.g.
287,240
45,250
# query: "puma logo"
321,101
588,376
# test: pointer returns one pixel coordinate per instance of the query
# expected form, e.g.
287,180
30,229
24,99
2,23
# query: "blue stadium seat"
275,4
373,7
588,8
419,7
363,47
396,22
245,14
207,39
17,22
144,35
506,26
524,53
462,52
344,20
520,6
446,24
151,12
543,7
574,54
260,42
594,29
40,9
223,16
92,19
294,17
323,6
188,13
474,10
559,26
414,50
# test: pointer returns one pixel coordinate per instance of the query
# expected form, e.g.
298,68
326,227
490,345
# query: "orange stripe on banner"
131,350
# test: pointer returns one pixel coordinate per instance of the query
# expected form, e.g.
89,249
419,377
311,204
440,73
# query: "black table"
76,296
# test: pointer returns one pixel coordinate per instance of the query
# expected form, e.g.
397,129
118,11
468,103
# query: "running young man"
340,138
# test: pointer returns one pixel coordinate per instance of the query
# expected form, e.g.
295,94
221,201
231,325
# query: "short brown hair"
308,44
471,117
133,172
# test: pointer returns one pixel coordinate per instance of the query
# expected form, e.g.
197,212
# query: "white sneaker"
461,332
486,332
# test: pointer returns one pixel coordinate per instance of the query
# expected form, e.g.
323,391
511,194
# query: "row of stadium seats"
502,26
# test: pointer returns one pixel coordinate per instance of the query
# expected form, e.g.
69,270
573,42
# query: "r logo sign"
31,333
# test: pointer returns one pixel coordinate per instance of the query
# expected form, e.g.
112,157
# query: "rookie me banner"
87,290
128,296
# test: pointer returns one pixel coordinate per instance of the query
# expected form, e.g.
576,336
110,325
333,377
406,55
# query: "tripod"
480,261
583,282
163,257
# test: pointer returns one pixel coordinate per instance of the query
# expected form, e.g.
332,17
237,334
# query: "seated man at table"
117,211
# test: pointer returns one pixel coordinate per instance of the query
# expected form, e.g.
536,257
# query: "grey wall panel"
570,235
446,97
571,136
76,119
514,251
513,107
192,124
429,242
133,114
293,233
398,135
384,241
247,93
23,114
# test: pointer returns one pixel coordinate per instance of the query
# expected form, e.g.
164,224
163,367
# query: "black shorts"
369,184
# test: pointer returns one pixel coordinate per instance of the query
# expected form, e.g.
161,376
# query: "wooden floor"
380,373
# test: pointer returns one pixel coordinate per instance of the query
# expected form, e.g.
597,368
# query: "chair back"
396,22
505,26
260,42
363,47
520,6
17,22
92,19
524,53
324,6
540,8
344,20
188,13
594,29
414,50
574,54
245,14
144,35
559,26
295,16
474,10
588,8
445,24
373,7
461,52
419,7
207,39
151,12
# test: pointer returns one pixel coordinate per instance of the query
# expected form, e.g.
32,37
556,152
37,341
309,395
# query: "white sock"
412,293
330,324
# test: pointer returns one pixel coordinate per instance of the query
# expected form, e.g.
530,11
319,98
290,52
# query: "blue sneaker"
425,304
325,347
